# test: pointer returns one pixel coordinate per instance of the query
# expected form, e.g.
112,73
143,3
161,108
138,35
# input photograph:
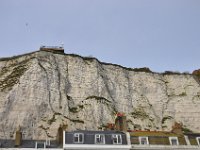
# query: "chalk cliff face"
42,90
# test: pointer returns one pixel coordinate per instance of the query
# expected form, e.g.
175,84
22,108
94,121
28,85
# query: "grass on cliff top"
17,56
143,69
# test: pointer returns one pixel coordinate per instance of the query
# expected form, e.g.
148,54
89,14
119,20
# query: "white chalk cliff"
41,90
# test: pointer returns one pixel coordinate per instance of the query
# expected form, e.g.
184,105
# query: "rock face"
41,90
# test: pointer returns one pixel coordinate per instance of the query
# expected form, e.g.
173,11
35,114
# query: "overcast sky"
159,34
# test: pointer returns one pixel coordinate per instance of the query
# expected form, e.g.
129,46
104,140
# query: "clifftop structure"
59,49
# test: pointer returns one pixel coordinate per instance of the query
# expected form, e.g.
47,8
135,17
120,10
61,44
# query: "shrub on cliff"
196,73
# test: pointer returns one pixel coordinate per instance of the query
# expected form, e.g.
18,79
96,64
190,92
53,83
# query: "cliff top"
143,69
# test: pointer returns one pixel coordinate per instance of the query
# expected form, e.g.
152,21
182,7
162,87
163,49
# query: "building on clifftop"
58,49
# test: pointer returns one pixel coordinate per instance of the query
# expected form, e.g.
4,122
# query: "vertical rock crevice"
48,84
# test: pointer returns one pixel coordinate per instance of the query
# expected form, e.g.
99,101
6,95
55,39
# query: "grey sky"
159,34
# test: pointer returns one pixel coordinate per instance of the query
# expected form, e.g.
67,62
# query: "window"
198,140
173,140
40,145
78,138
99,139
117,139
144,140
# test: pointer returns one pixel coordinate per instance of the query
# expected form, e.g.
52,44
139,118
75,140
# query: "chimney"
110,126
62,128
177,128
120,122
18,137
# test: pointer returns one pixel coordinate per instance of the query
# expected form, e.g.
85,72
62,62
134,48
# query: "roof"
162,137
152,133
192,134
89,137
96,132
5,143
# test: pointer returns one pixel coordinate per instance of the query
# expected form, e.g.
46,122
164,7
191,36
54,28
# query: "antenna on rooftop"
62,44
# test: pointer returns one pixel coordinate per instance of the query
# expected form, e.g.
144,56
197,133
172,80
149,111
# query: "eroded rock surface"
42,90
